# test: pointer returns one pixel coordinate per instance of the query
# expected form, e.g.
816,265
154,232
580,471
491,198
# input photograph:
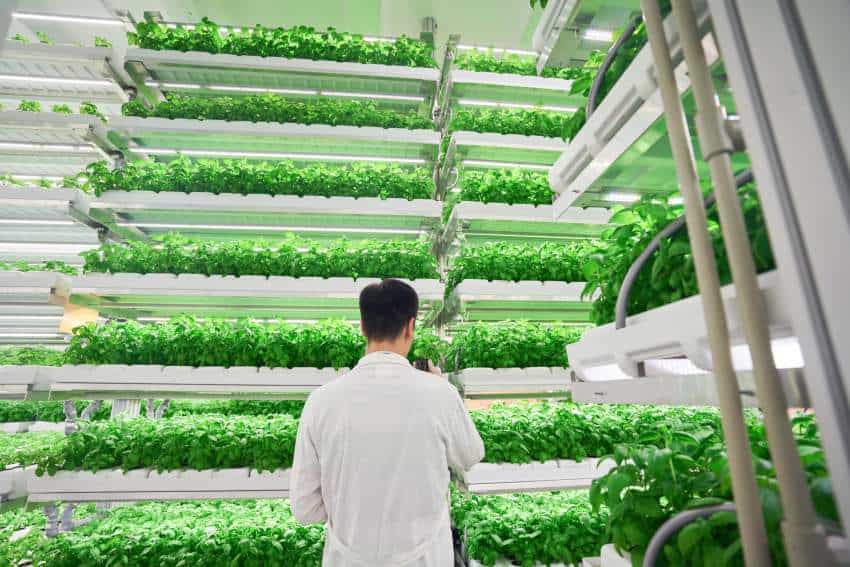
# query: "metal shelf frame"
513,383
31,312
499,478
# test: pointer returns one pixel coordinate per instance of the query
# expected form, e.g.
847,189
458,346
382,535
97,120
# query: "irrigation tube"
744,487
622,307
805,542
672,526
606,64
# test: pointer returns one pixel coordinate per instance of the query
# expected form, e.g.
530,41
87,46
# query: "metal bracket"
70,408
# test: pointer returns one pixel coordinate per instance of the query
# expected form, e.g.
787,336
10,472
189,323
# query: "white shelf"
267,217
489,383
479,222
38,224
30,312
508,88
61,73
49,144
116,381
289,75
491,478
146,484
632,106
13,482
492,150
482,300
270,141
165,295
678,330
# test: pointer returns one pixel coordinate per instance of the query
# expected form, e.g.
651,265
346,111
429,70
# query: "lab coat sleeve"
464,446
305,482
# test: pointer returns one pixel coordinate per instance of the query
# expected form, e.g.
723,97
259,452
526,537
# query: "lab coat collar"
383,357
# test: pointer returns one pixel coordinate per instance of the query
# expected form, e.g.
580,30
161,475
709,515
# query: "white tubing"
750,520
805,543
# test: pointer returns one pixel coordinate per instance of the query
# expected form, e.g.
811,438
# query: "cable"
596,86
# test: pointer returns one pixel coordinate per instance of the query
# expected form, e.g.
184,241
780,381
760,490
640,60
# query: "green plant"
48,266
235,407
52,411
196,442
29,106
43,38
527,122
510,344
22,38
33,356
186,342
300,42
512,186
673,470
519,262
669,275
486,61
290,257
91,108
529,529
26,448
274,108
101,42
247,177
61,109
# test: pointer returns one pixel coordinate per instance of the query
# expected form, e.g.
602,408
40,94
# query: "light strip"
37,177
273,155
598,35
44,248
481,163
616,197
492,103
28,317
373,39
45,147
497,50
305,92
67,19
268,228
229,320
57,80
37,222
676,201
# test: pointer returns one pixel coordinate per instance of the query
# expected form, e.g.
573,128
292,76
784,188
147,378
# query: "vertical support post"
51,528
751,521
125,408
67,523
70,416
804,541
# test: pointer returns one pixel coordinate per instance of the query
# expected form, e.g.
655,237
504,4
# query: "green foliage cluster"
275,108
669,275
48,266
245,177
486,61
299,42
264,443
524,121
29,106
53,411
519,262
510,344
512,186
30,356
26,448
201,534
61,109
521,433
186,342
529,529
291,256
672,470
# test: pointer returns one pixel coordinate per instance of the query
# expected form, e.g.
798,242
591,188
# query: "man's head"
388,314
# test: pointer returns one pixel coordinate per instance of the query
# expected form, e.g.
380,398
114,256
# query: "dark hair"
386,307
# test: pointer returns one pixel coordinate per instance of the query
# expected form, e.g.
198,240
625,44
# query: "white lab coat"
372,460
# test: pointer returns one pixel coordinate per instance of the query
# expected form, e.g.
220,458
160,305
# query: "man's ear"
411,327
362,332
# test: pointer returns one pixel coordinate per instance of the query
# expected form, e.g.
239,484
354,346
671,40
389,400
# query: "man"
374,448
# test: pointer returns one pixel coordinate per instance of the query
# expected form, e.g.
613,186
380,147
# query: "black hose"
621,308
672,526
606,64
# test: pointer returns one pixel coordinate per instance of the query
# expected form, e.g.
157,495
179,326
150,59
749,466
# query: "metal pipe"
622,307
805,543
672,526
744,487
596,86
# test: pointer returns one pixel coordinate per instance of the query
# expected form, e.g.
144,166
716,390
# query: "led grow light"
676,201
505,164
617,197
302,92
247,227
57,80
410,98
491,103
497,50
275,155
37,222
22,146
598,35
67,19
